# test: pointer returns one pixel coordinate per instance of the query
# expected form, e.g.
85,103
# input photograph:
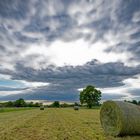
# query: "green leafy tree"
90,96
56,104
135,102
76,104
30,104
20,103
9,104
37,105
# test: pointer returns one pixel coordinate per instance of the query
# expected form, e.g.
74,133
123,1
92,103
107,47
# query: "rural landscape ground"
54,124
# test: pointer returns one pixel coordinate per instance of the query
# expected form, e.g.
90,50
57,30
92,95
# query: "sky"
52,49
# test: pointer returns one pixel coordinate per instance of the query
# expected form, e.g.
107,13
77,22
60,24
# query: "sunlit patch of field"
54,124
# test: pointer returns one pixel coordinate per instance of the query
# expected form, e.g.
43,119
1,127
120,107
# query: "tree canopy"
90,96
56,104
20,103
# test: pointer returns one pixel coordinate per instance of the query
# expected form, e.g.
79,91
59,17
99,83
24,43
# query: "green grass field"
54,124
14,109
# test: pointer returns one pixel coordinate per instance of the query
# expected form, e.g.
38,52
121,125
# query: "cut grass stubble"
54,124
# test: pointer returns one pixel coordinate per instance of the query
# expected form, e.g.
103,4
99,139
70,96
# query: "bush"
55,104
19,103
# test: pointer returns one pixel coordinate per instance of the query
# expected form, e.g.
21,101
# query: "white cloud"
5,93
93,11
24,85
18,25
33,84
74,53
4,76
51,8
136,17
133,82
80,19
129,84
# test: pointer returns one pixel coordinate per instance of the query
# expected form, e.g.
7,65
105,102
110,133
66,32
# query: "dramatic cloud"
65,81
51,48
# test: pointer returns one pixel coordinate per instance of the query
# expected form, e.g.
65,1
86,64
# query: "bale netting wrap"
120,118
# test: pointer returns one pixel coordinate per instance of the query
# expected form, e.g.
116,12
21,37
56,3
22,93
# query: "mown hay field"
54,124
14,109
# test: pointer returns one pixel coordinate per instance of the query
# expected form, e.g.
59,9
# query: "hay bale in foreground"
120,118
76,107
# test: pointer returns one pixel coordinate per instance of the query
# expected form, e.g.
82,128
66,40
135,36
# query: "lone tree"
90,96
56,104
20,103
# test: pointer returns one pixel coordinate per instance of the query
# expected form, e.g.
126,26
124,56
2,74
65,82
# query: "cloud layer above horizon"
50,49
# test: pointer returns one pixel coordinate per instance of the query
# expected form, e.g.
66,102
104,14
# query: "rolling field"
54,124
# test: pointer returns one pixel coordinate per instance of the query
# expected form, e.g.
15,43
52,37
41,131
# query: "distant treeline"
57,104
20,103
133,102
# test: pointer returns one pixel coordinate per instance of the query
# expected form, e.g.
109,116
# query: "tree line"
57,104
20,103
133,102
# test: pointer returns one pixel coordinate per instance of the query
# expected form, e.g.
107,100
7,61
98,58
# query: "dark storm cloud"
135,92
23,38
112,96
125,14
32,21
134,48
90,71
11,89
14,9
46,93
66,80
55,20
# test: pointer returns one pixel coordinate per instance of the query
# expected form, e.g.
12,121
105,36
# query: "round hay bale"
120,118
76,107
42,108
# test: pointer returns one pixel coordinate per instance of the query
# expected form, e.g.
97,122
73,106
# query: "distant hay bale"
42,108
120,118
76,107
